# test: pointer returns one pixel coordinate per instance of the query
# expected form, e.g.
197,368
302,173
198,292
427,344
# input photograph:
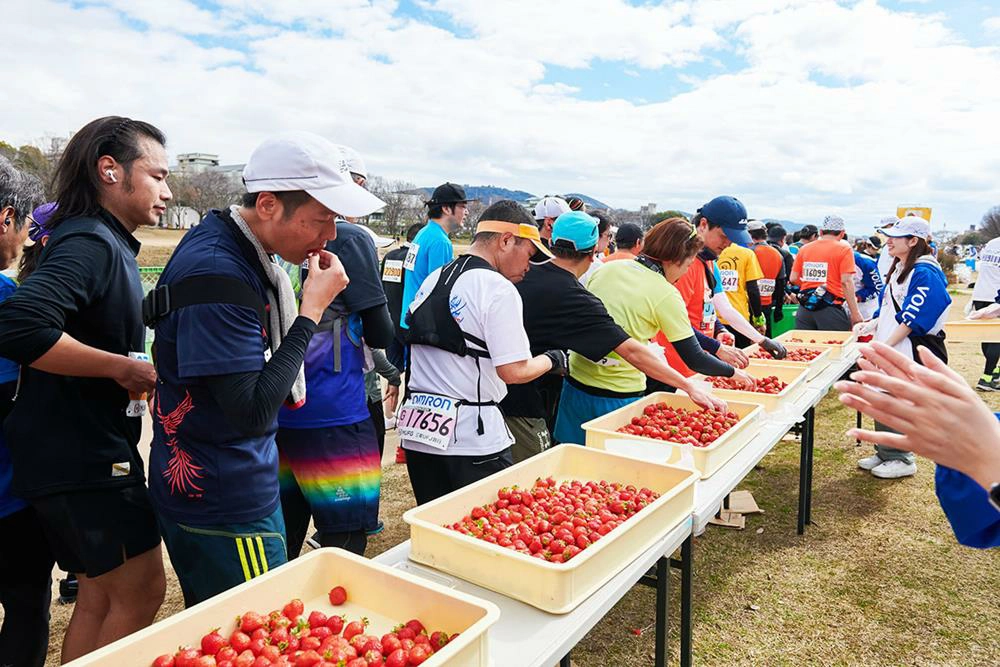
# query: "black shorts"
93,532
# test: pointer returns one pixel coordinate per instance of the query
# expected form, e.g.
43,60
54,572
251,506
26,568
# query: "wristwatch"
995,496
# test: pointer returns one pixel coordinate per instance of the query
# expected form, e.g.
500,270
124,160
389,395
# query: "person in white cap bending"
546,212
230,345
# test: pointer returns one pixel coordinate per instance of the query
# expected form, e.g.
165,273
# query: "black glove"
560,362
774,348
778,313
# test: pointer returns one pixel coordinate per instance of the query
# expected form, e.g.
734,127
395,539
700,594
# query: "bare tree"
400,208
202,191
990,225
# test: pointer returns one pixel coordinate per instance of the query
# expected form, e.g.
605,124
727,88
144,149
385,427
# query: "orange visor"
529,232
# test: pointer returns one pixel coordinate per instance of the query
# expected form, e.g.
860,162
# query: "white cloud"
852,108
992,24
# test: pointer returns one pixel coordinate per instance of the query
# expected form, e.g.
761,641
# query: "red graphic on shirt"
181,472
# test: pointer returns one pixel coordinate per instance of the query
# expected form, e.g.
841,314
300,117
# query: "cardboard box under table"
602,433
795,378
972,331
805,337
815,366
384,595
553,587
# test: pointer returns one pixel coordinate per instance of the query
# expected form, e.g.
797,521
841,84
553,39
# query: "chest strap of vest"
202,290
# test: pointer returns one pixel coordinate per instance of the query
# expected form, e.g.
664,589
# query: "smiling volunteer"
467,343
824,272
912,311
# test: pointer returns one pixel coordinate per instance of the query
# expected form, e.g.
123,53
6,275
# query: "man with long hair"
72,326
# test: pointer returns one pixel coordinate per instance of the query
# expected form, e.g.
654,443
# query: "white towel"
282,313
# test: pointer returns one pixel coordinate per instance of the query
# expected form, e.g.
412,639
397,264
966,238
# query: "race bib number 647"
428,419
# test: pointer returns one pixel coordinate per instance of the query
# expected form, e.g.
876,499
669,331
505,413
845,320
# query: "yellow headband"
521,231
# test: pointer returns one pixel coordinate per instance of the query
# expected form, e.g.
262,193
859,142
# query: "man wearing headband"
468,343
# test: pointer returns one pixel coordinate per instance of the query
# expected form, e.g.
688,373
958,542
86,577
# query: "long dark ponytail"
76,179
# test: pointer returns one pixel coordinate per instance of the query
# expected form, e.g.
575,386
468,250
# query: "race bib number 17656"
428,419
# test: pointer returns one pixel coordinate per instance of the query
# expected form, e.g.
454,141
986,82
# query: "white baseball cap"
911,225
306,161
887,221
354,162
551,207
832,223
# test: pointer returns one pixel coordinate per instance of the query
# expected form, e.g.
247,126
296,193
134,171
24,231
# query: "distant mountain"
488,194
787,224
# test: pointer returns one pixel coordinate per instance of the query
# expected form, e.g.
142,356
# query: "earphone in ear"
110,173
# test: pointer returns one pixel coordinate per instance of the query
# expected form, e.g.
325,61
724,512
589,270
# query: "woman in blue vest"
913,306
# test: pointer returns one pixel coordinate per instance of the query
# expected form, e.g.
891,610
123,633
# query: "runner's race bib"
765,286
730,280
708,314
411,257
814,272
428,419
392,272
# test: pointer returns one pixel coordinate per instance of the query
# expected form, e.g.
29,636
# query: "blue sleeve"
868,285
718,279
439,254
218,339
926,299
710,345
975,522
872,273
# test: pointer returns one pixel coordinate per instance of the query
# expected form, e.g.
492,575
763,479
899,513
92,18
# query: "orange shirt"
619,254
824,262
771,264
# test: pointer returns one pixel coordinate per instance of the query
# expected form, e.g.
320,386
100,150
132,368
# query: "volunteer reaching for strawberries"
912,310
642,300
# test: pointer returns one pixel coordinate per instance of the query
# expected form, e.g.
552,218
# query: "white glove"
865,328
990,312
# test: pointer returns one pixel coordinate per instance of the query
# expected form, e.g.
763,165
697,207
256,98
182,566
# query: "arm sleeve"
753,297
377,326
251,399
710,345
926,299
734,319
700,361
966,504
384,368
778,298
71,278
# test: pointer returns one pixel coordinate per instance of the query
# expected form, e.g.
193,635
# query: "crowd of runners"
276,320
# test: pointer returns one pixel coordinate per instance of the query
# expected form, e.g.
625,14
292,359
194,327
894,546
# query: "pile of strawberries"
814,341
794,354
288,638
765,385
698,427
551,521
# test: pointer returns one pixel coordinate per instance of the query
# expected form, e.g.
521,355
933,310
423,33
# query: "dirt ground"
878,579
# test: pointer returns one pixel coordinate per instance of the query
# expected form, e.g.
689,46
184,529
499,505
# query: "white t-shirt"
594,266
988,281
485,305
884,262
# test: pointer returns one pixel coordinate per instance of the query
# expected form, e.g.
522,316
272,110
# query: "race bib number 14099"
428,419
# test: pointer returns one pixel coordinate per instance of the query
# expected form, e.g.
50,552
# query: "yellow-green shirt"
737,265
642,303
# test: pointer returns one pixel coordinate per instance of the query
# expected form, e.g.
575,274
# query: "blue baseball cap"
730,214
575,229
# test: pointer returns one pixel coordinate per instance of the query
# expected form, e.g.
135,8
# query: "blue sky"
801,107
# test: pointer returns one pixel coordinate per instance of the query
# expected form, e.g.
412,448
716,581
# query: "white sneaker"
894,469
869,462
